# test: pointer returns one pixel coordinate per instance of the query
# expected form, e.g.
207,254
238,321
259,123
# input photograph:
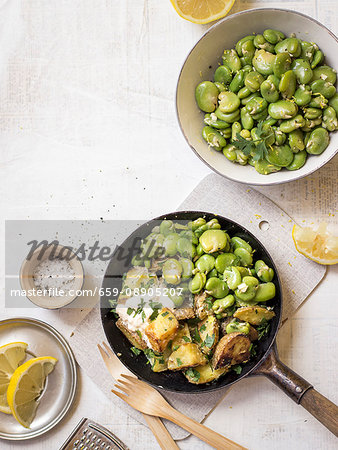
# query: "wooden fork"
117,369
146,399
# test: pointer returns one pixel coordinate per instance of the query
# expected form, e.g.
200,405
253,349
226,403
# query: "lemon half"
318,245
11,356
25,388
202,11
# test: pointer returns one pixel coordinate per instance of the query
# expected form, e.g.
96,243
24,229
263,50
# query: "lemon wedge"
202,11
25,388
319,245
11,356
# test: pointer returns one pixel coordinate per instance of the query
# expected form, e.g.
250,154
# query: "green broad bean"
289,45
199,250
232,277
152,245
197,223
246,291
186,248
240,43
318,101
279,155
303,95
223,75
187,267
248,51
212,121
236,128
299,160
282,64
265,292
212,273
243,93
334,102
214,240
229,151
261,43
216,288
280,137
197,283
238,81
205,263
323,87
330,119
220,86
287,84
147,263
166,227
213,138
172,271
226,133
244,256
263,62
170,243
225,260
213,224
312,113
246,119
137,260
219,306
273,36
206,94
228,117
261,116
269,89
237,242
325,73
264,167
283,109
246,134
263,271
244,271
237,327
296,141
245,100
241,158
307,137
176,298
318,141
308,50
229,102
292,124
270,121
231,60
253,81
302,70
256,105
318,58
311,123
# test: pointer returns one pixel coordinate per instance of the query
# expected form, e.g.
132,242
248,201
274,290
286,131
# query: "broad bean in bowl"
272,102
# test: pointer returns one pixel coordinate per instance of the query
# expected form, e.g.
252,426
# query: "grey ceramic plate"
58,395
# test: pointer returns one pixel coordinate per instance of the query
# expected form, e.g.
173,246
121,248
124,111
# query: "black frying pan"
266,361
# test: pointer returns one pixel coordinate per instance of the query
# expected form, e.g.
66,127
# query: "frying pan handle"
299,390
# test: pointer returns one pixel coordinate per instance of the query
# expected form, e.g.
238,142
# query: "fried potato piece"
204,374
254,314
232,349
159,362
181,337
183,313
133,337
253,334
201,306
161,330
208,330
187,355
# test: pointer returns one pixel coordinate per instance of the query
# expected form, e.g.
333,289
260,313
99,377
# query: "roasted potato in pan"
187,355
204,374
161,330
134,338
208,331
255,315
232,349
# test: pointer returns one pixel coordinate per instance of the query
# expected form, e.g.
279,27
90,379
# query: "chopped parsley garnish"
263,328
165,314
209,341
113,304
135,350
203,327
130,311
186,339
193,374
209,302
237,369
179,362
139,333
258,148
153,315
196,335
253,350
175,347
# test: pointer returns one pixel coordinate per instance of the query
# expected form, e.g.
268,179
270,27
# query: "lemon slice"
318,245
26,386
11,356
202,11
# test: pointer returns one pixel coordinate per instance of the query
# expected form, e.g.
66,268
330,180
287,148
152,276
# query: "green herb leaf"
237,368
139,333
243,144
186,339
193,374
203,327
135,350
209,341
179,362
196,335
130,311
263,328
164,314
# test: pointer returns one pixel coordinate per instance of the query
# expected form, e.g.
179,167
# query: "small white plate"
59,392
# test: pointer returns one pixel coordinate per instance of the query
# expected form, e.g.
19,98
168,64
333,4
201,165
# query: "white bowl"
208,51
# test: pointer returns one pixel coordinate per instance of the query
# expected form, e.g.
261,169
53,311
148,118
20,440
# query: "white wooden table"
88,130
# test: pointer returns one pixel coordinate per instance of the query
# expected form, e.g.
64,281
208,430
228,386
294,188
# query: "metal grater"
89,435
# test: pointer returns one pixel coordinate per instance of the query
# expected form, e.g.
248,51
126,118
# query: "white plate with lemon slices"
37,378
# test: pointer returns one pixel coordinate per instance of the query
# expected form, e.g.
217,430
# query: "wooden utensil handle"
201,431
162,435
299,390
322,409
